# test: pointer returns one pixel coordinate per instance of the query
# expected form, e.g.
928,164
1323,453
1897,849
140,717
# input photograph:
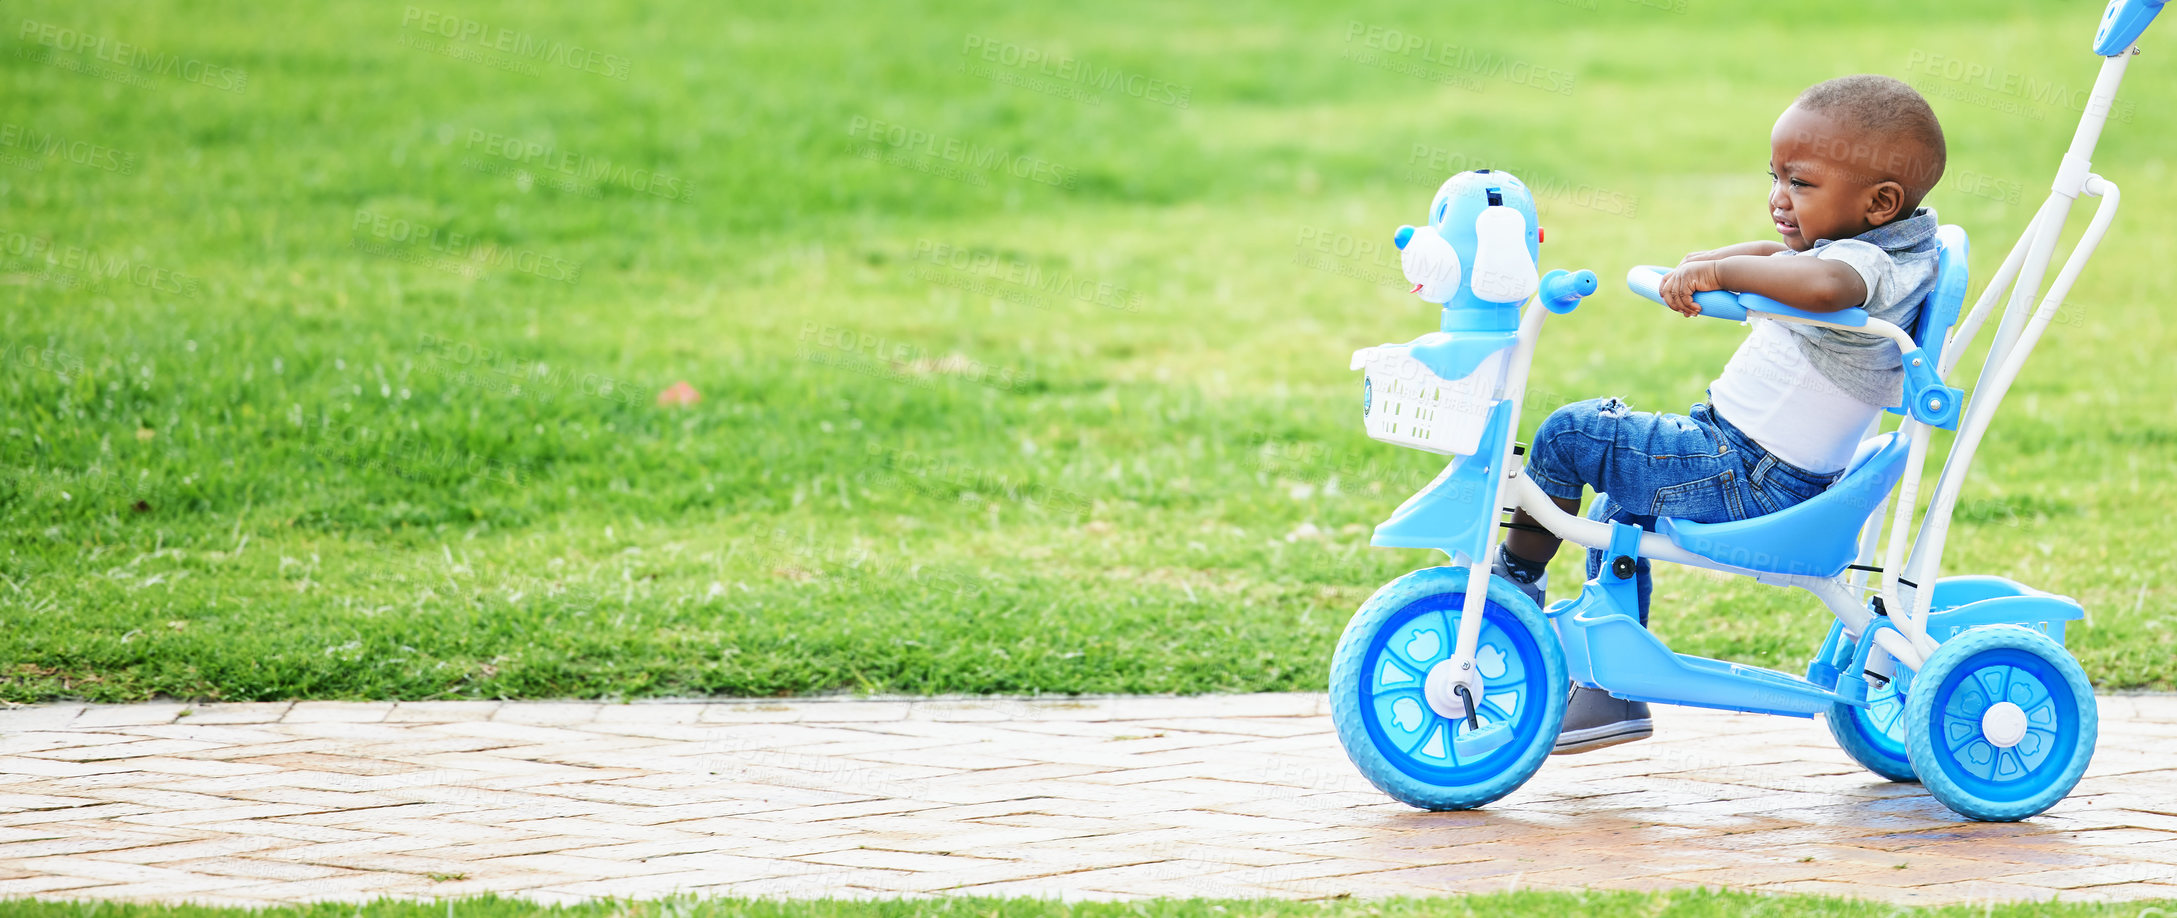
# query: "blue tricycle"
1449,686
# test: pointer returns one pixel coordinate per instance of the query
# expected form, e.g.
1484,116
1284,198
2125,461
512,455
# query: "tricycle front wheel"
1400,742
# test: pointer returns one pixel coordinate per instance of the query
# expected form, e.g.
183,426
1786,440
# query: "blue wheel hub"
2001,723
1874,735
2000,767
1380,699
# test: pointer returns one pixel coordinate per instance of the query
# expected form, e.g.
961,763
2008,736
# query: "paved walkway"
1102,798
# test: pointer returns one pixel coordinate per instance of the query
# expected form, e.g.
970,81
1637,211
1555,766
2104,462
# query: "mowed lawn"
333,338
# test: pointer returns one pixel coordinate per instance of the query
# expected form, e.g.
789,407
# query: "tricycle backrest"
1940,310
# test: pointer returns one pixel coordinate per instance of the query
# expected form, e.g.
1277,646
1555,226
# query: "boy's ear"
1884,202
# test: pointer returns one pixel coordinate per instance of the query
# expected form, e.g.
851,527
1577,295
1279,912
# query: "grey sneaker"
1535,591
1594,719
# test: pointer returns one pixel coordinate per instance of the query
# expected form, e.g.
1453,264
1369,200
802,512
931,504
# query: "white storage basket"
1406,403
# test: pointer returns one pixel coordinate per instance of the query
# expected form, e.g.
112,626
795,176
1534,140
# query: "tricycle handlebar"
1647,280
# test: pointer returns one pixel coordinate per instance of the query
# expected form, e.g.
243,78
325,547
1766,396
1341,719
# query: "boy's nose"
1778,200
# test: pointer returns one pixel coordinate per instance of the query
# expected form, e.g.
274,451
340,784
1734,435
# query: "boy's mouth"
1786,227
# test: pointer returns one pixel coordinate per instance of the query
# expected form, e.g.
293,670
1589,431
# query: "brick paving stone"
231,812
1065,887
1074,798
46,740
126,715
652,712
483,853
2099,875
203,768
554,713
1257,727
14,766
889,859
1008,842
38,851
747,713
46,885
41,802
214,849
429,712
234,713
24,718
347,886
255,868
338,712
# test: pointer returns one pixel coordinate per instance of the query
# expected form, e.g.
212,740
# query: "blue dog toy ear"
1504,271
1430,263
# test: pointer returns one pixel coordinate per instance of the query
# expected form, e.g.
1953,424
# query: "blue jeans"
1697,468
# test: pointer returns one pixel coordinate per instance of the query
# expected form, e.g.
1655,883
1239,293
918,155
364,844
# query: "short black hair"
1887,108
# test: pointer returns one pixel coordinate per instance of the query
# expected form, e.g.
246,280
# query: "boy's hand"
1679,286
1691,257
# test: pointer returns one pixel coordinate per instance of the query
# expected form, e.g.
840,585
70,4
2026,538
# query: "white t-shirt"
1772,393
1897,261
1808,394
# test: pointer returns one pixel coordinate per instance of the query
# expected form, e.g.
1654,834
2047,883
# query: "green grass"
1693,903
368,409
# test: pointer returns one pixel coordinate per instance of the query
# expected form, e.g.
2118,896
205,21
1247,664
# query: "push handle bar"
2121,24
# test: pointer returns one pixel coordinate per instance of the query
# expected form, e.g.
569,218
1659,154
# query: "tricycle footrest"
1608,649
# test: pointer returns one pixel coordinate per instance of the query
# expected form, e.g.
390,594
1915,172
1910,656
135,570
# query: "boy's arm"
1757,247
1812,284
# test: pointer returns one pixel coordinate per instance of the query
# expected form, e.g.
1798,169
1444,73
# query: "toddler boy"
1850,161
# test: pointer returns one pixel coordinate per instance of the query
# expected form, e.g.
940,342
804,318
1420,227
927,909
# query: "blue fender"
1456,513
2044,612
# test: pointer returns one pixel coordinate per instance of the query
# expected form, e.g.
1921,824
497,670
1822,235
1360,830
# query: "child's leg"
1522,571
1650,464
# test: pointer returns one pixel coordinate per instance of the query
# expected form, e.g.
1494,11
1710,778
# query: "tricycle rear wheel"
1874,736
2000,723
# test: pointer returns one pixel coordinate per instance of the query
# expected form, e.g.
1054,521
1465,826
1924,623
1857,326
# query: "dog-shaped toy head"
1480,245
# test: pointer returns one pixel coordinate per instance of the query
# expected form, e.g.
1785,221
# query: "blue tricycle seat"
1818,537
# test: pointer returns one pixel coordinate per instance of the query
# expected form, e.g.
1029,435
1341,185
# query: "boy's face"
1820,184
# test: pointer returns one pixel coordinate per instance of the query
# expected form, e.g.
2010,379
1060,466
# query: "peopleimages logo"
465,31
1026,275
1066,69
80,152
1430,165
959,152
464,253
545,157
79,266
1971,74
121,53
1457,58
